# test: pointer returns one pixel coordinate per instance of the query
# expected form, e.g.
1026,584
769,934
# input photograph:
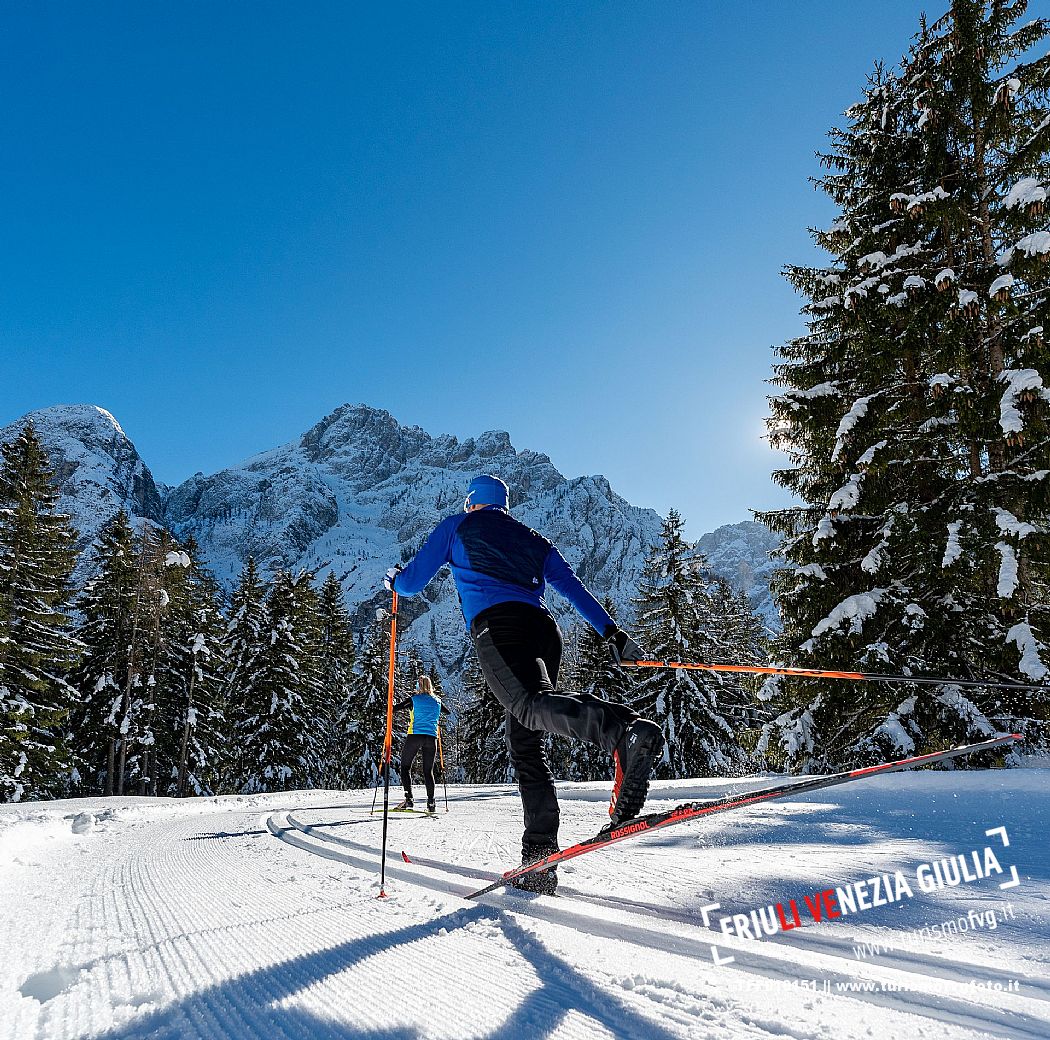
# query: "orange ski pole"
824,673
389,741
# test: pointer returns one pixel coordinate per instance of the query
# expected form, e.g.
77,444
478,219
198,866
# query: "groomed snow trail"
240,917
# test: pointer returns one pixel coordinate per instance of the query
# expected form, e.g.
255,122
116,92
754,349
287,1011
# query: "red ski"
695,810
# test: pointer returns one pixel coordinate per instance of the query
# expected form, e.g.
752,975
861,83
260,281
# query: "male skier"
501,568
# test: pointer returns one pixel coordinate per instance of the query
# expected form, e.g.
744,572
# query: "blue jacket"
426,713
497,559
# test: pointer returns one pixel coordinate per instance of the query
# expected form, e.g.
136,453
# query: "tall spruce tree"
483,732
105,608
36,649
337,655
915,412
598,674
366,720
672,608
243,697
277,738
191,727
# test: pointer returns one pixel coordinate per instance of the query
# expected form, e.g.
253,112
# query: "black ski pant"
416,744
519,649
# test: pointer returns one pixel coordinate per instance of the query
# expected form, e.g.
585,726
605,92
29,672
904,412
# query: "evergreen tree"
105,607
136,765
735,634
191,734
337,655
672,608
598,674
483,732
278,749
366,726
36,649
916,412
243,695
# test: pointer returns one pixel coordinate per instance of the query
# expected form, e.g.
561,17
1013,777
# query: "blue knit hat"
487,491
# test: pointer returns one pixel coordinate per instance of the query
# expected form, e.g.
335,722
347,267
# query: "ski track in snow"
257,916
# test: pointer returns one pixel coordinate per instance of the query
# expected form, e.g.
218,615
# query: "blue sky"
223,220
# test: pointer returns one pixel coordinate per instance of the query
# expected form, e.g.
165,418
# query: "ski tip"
404,856
1017,736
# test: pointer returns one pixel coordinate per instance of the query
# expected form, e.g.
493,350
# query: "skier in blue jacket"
501,569
425,706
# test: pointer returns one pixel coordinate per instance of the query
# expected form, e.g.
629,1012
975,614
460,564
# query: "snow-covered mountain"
740,554
358,492
97,467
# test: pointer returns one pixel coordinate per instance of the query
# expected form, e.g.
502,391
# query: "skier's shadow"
251,1004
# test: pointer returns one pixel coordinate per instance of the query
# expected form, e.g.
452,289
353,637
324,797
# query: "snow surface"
244,917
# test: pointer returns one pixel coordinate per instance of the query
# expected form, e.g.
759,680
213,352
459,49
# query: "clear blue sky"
222,220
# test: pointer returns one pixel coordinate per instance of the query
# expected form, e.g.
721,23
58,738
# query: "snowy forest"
151,680
915,416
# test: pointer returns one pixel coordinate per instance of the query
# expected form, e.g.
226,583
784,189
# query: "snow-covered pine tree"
598,674
191,726
363,752
559,750
915,410
245,635
37,556
483,732
672,607
136,747
278,743
337,657
105,608
735,634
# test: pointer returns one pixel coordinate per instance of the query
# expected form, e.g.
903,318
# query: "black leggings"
519,649
416,743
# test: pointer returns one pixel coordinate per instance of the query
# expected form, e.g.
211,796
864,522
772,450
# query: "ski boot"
634,757
405,806
432,805
543,882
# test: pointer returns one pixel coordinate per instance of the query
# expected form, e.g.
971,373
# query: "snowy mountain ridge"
359,491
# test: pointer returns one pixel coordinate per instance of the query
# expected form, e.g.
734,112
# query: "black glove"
622,647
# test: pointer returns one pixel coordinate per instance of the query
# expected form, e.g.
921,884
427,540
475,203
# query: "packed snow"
244,917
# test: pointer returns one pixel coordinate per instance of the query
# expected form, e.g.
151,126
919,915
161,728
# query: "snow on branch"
1009,524
1007,570
857,411
1031,664
1026,192
853,609
1035,244
1018,381
953,550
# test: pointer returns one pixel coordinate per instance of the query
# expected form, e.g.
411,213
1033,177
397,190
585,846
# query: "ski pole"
820,673
441,759
388,743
